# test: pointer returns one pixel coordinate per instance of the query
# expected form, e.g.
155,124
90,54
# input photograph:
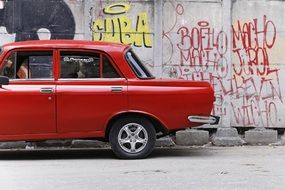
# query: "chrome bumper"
213,120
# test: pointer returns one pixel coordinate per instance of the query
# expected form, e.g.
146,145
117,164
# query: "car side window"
108,70
28,65
86,65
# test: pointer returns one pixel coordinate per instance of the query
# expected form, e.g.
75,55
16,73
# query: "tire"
132,137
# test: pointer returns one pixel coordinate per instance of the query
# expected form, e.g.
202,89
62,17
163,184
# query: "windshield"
137,66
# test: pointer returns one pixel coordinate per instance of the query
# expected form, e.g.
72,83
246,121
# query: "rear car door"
90,90
28,102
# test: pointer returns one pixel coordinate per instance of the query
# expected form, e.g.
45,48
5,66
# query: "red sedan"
62,89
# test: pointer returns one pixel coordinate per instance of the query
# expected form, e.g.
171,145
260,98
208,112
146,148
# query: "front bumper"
212,120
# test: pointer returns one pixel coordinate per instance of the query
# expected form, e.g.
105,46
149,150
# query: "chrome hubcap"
132,138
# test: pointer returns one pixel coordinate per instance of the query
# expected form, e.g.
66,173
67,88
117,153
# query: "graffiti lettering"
251,45
252,114
120,28
200,48
123,8
198,52
253,36
258,90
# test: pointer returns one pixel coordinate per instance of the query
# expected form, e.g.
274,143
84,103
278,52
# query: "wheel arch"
158,125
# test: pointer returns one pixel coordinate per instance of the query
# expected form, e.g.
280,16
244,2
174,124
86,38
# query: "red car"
62,89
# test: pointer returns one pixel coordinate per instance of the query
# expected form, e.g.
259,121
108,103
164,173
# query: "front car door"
90,90
28,103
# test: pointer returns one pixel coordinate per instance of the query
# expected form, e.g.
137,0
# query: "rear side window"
108,71
75,64
28,65
137,66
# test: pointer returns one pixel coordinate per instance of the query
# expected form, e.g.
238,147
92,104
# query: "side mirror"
4,80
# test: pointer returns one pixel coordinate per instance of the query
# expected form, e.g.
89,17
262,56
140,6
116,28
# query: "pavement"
203,167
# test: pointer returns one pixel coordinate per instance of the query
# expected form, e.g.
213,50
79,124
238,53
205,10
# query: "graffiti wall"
258,63
112,24
25,19
128,22
238,49
195,47
244,65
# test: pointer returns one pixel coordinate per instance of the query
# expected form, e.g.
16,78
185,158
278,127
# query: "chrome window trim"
33,79
89,79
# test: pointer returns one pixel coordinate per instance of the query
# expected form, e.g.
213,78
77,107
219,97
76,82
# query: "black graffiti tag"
26,17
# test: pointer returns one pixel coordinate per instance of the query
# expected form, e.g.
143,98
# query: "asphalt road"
261,167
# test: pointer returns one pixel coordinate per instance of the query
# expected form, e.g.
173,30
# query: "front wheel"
132,137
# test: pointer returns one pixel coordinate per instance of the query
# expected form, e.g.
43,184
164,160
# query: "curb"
192,137
261,136
227,136
224,136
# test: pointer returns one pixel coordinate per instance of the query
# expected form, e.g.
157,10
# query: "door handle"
46,90
116,89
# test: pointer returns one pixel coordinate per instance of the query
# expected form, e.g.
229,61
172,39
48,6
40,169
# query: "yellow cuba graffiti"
120,28
117,8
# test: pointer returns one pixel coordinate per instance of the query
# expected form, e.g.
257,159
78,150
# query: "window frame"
142,67
101,54
9,53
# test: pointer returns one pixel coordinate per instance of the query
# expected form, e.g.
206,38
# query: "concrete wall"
235,45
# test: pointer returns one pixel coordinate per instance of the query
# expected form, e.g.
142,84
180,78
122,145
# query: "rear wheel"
132,137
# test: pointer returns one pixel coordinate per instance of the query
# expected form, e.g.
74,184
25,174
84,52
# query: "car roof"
104,46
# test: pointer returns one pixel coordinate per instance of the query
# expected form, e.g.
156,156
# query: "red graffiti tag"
251,42
248,85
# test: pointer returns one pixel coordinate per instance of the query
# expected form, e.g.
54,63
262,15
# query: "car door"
28,101
90,90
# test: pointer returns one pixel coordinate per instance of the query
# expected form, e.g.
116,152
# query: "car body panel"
21,101
171,101
77,103
83,108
